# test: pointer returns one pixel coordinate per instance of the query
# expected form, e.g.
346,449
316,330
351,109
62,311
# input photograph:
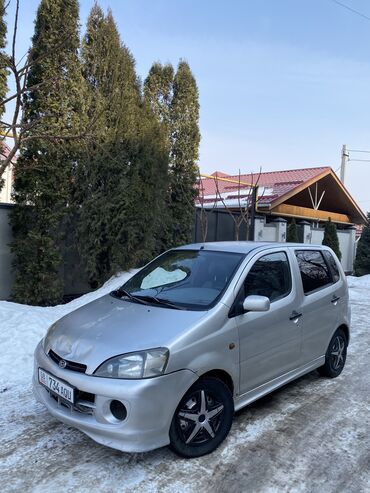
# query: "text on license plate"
57,386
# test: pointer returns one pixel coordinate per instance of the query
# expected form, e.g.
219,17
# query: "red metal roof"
274,184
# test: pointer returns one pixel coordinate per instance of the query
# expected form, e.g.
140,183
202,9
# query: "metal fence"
219,224
6,274
71,271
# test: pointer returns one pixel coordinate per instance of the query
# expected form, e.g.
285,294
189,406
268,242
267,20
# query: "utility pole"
345,156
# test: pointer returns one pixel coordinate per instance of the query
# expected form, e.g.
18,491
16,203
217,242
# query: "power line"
354,11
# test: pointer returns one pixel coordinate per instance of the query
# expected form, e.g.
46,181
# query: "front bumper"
150,405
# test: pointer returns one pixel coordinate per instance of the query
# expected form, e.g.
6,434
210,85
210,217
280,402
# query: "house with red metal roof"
311,196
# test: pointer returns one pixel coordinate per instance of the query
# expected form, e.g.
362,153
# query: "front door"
270,342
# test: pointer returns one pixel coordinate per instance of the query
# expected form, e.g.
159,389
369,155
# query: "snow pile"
22,327
284,442
359,282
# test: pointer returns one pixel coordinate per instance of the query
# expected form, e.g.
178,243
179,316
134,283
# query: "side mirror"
255,303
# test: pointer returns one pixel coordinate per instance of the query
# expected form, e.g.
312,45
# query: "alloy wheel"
338,352
200,417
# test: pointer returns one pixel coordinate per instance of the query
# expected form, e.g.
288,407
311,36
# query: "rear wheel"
203,418
336,355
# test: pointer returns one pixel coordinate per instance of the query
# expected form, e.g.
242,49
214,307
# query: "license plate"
57,386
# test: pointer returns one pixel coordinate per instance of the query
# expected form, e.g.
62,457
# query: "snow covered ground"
313,435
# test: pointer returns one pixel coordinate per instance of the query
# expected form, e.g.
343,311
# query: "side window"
314,270
269,276
333,265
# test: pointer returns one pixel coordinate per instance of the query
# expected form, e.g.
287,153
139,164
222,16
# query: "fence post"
352,249
281,225
305,231
258,228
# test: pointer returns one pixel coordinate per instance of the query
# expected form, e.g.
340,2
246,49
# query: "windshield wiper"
160,301
119,293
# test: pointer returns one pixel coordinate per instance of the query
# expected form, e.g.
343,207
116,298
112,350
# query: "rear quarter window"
315,273
332,265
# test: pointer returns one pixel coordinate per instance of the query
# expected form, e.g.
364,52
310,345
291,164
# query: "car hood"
109,326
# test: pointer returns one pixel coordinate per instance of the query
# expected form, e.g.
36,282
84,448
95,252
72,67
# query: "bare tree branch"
241,213
203,212
19,129
15,31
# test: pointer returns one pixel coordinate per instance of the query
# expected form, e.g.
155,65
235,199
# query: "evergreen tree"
96,174
292,235
106,67
3,71
141,143
185,138
174,102
125,172
45,167
331,238
158,93
139,222
362,261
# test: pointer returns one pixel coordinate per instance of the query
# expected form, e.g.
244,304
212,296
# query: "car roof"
243,246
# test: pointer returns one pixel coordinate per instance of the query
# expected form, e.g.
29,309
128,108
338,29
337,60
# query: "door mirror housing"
255,303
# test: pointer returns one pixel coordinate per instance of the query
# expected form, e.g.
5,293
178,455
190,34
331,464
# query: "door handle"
295,315
335,299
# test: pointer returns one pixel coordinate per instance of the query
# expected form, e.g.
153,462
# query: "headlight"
142,364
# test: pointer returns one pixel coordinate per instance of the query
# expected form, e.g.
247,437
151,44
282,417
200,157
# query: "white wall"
5,192
274,231
269,233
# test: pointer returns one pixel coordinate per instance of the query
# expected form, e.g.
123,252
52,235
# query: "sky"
283,84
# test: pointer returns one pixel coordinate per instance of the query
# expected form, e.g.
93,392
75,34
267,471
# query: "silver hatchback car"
198,333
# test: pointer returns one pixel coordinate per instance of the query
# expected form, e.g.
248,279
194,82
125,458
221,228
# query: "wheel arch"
221,375
345,329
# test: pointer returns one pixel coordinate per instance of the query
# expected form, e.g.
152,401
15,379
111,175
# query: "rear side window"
333,265
269,276
314,270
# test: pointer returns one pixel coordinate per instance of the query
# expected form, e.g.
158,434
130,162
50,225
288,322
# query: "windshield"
189,279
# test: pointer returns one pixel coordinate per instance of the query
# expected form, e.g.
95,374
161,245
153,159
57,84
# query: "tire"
206,409
336,354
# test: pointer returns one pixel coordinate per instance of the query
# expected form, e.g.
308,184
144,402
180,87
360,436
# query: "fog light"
118,410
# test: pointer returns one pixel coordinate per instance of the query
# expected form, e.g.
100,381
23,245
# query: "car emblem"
62,363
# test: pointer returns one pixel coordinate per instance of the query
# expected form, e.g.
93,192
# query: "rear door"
269,341
320,303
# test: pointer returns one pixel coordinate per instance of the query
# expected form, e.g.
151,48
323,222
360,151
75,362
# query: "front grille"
70,365
85,402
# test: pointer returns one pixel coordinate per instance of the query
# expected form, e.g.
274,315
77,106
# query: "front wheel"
336,355
203,418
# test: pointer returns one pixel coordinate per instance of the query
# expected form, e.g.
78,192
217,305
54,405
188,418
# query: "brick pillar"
306,234
281,227
352,251
259,225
